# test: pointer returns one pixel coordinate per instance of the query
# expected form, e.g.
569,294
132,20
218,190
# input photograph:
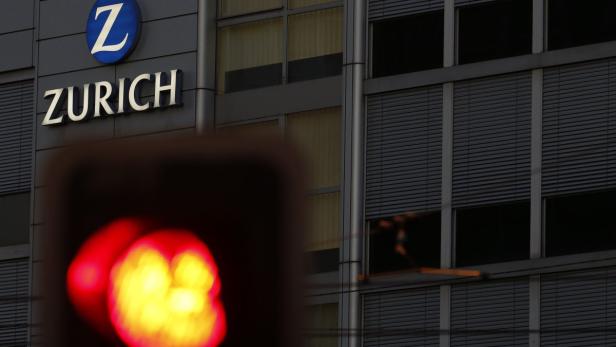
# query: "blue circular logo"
113,29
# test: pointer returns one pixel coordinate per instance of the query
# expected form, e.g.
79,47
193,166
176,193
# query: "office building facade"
441,134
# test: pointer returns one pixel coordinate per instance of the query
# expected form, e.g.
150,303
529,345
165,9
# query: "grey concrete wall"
16,34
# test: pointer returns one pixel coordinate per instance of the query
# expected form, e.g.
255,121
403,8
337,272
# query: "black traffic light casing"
241,198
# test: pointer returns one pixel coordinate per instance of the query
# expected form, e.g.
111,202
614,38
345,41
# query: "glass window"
322,321
318,135
492,234
407,44
315,45
237,7
580,223
14,219
405,241
577,22
250,55
496,29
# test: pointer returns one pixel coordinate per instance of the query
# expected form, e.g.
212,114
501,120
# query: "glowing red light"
156,290
88,273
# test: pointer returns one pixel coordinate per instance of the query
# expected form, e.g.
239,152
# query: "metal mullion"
314,8
249,18
282,125
324,190
285,41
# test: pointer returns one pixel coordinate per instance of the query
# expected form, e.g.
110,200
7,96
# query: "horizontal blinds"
490,313
403,159
491,159
579,309
383,9
16,124
14,304
579,128
402,318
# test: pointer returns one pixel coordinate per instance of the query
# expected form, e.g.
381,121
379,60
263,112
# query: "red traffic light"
208,219
153,289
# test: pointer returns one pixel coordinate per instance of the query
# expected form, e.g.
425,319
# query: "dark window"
576,22
317,67
256,77
407,44
495,30
493,234
14,219
323,261
315,44
405,242
580,223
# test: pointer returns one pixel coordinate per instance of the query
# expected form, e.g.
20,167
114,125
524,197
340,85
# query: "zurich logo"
113,29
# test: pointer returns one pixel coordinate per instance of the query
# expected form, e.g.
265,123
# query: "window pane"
315,45
14,219
580,223
495,30
319,136
250,55
324,230
235,7
493,234
304,3
576,22
407,44
405,242
268,128
322,324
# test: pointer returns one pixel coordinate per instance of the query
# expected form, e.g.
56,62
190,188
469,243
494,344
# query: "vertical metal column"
34,320
536,202
206,66
353,172
447,173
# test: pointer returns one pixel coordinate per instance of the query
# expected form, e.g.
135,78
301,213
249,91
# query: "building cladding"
471,134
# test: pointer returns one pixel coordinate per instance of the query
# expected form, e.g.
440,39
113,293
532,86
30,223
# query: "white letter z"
99,46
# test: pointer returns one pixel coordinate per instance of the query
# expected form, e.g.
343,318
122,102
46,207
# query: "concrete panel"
16,15
78,78
39,206
65,17
19,44
158,38
185,62
38,234
165,37
157,9
37,288
72,133
44,159
159,120
65,54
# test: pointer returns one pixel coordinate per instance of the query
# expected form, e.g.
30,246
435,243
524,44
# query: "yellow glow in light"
161,302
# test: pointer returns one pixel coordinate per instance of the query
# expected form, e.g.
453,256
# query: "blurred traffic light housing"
191,242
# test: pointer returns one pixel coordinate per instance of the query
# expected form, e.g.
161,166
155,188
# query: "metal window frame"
491,68
283,12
